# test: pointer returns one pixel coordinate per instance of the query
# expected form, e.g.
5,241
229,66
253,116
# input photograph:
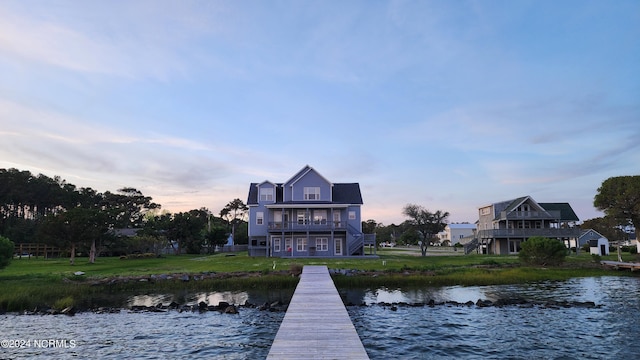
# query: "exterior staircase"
355,244
471,246
357,240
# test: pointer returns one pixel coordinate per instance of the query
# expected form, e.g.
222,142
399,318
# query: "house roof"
461,226
586,232
129,232
304,171
515,203
343,193
566,212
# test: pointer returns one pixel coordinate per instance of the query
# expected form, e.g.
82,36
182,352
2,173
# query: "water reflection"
445,332
211,298
442,332
593,289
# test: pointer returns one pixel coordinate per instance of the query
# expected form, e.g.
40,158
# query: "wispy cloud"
45,139
130,40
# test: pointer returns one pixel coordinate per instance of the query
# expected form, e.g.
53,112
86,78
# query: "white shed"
599,246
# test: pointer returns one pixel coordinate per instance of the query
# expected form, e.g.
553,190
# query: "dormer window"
312,193
266,194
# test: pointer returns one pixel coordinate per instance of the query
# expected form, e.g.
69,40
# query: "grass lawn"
51,282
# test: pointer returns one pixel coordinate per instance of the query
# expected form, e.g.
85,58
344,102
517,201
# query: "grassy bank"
28,283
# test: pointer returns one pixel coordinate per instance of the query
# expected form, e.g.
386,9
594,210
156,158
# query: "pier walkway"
621,265
316,325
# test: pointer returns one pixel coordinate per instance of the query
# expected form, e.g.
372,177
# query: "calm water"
611,331
443,332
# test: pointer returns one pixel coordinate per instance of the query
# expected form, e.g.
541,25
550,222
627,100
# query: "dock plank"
316,325
621,265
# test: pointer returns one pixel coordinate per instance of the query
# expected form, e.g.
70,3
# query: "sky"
451,105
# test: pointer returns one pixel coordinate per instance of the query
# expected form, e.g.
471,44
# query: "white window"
276,244
301,244
320,216
302,217
322,244
277,219
266,194
338,246
259,218
287,244
352,215
523,207
312,193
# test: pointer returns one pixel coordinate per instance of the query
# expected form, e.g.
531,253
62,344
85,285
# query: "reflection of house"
587,235
454,233
503,226
306,216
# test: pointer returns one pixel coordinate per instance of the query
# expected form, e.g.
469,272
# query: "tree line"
41,209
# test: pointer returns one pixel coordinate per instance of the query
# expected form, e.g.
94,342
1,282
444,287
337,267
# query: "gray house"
503,226
306,216
587,235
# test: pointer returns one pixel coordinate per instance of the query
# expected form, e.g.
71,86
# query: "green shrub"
63,303
596,258
295,269
6,251
538,250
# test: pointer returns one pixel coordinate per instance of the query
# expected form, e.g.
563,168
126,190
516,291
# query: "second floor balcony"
526,233
531,215
307,225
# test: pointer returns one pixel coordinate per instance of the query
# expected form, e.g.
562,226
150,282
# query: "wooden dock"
621,265
316,325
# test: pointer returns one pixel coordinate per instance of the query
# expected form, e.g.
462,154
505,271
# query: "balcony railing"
310,225
531,215
503,233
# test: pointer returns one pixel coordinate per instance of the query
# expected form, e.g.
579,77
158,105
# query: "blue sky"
448,104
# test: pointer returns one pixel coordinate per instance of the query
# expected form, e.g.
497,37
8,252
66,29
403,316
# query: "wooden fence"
28,250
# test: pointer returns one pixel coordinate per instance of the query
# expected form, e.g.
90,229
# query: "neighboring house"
307,215
587,235
454,233
125,232
503,226
599,246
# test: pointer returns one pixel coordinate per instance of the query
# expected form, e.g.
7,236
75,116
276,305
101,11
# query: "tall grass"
30,283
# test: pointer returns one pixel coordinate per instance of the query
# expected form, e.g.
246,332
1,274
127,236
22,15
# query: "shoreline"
92,294
53,284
